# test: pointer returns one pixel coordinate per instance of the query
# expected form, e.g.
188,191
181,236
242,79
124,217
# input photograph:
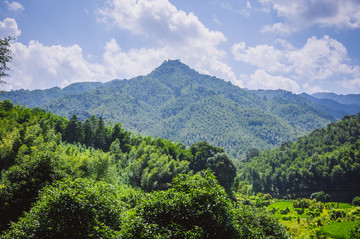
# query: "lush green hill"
67,179
177,103
328,159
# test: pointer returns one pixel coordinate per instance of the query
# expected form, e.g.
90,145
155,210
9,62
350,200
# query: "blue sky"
299,45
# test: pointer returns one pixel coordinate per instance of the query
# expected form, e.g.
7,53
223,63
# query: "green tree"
196,207
22,182
89,131
100,141
224,169
72,209
5,57
73,131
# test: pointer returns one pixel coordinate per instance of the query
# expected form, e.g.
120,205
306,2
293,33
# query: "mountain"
178,103
336,109
36,98
351,99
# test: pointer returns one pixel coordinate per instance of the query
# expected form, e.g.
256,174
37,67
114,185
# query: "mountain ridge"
178,103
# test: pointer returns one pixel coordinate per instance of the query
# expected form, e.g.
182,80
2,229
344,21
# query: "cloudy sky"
299,45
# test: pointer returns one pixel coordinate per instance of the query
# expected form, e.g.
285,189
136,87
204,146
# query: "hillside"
54,184
177,103
328,159
333,107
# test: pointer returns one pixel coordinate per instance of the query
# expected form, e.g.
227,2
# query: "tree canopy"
5,57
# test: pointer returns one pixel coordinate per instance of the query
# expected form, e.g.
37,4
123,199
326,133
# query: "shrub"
355,232
320,196
285,211
301,203
337,213
356,201
72,209
197,207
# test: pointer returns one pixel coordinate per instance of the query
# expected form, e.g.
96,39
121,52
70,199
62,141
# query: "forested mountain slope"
328,159
35,98
177,103
333,107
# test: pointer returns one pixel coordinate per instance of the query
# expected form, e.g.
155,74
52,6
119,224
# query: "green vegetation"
338,230
87,177
70,179
328,159
179,104
309,218
5,57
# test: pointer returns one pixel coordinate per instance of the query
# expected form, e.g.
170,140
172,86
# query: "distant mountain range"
351,99
178,103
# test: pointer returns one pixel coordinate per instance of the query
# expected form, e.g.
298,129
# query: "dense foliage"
71,179
328,159
177,103
197,207
5,57
78,208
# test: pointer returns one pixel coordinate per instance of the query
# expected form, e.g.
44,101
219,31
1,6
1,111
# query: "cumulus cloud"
318,60
304,13
262,56
14,6
9,27
36,66
262,80
176,33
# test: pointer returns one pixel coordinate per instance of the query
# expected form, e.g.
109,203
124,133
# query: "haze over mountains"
177,103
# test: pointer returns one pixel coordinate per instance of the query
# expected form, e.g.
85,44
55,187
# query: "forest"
88,179
66,178
327,159
177,103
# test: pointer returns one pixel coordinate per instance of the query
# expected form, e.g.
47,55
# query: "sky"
300,45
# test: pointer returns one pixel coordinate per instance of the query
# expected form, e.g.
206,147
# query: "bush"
301,203
356,201
197,207
72,209
337,213
285,211
355,232
320,196
21,184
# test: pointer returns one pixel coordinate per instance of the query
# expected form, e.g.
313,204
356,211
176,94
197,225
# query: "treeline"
327,159
60,179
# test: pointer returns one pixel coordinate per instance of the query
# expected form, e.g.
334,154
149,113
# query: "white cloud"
318,60
279,27
36,66
9,27
14,6
178,35
262,56
304,13
262,80
352,85
245,11
160,20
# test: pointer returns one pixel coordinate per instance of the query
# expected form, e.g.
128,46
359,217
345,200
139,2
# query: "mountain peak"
168,67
